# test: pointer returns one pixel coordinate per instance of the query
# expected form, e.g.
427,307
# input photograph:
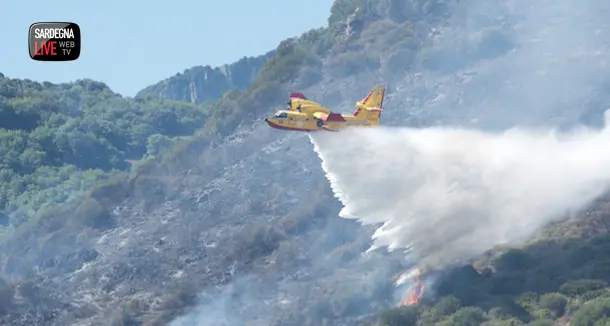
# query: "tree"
579,287
447,305
468,316
158,143
402,316
554,302
596,311
542,322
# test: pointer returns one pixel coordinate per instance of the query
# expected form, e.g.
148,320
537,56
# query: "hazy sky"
132,44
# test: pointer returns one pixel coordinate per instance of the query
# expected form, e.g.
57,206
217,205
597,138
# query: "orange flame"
415,294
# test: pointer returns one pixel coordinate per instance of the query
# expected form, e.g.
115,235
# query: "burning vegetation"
416,290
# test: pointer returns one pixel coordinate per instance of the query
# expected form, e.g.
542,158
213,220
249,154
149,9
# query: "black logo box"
49,48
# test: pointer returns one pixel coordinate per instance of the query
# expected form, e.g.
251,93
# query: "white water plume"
449,194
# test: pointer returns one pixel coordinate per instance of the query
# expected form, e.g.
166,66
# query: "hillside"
59,140
243,216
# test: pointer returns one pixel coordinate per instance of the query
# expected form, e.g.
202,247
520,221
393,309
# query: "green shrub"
468,316
402,316
447,305
592,313
590,295
579,287
543,314
542,322
554,302
92,214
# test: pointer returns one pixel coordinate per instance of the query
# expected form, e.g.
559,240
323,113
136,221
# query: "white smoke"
451,194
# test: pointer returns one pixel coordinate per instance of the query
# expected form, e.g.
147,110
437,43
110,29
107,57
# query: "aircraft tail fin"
371,105
297,95
375,98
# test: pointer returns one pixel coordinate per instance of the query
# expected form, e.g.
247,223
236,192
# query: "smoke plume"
447,194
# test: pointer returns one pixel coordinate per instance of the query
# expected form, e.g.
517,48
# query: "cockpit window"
289,104
281,115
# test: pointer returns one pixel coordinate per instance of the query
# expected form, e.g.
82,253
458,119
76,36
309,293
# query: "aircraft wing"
334,117
320,115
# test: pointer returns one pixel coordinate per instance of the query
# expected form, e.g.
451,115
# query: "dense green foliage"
59,140
538,285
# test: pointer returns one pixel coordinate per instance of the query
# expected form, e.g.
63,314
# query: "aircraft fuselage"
306,115
296,121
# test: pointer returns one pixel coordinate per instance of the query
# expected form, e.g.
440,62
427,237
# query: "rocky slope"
204,83
249,221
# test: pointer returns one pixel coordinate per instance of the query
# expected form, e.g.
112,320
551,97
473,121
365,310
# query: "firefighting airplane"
306,115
